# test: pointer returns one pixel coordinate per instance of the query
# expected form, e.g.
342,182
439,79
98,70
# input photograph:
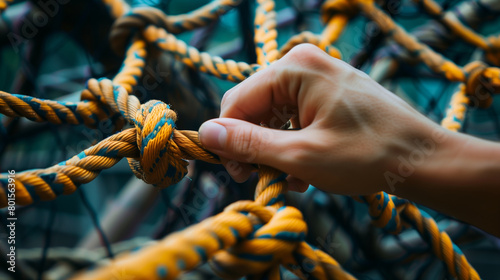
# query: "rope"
154,150
248,238
125,24
490,45
265,33
260,238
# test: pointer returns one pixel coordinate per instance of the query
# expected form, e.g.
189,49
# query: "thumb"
243,141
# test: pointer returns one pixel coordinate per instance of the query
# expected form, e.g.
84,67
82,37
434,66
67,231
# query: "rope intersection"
249,237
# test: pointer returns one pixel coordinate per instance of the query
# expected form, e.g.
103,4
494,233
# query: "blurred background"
117,212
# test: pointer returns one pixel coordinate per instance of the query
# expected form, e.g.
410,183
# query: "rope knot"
131,24
266,246
161,161
482,82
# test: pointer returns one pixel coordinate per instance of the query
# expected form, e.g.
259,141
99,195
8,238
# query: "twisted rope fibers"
156,150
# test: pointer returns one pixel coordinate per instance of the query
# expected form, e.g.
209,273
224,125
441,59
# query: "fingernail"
213,135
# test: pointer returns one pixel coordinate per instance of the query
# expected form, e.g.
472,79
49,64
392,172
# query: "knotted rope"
490,45
248,238
160,162
482,82
155,150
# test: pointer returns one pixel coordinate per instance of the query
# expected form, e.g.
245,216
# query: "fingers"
253,100
297,185
268,97
245,142
240,172
274,93
275,86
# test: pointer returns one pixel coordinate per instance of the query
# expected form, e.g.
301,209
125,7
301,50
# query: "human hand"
352,130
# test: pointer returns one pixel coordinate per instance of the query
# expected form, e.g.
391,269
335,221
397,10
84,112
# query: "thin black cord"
47,239
95,221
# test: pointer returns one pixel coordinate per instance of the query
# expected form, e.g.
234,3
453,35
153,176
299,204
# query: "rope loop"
266,247
131,24
481,83
161,161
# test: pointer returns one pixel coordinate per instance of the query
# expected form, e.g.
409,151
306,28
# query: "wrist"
460,178
465,163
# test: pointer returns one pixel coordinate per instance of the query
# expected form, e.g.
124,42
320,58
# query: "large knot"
266,247
161,161
482,82
129,25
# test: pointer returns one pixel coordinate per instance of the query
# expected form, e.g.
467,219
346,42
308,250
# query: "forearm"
460,178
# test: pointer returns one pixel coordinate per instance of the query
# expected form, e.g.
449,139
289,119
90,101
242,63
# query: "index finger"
253,99
276,86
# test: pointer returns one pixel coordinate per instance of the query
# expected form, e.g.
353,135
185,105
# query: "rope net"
249,238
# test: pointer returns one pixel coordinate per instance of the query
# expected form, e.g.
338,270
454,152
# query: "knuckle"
311,57
225,99
305,49
305,52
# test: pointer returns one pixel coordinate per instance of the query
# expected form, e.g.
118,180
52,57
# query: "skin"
354,137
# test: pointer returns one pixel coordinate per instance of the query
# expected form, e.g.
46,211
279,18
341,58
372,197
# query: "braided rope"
95,103
435,61
491,44
153,149
457,27
127,24
201,61
133,66
261,235
455,114
200,17
57,112
156,150
441,243
65,177
331,33
266,46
